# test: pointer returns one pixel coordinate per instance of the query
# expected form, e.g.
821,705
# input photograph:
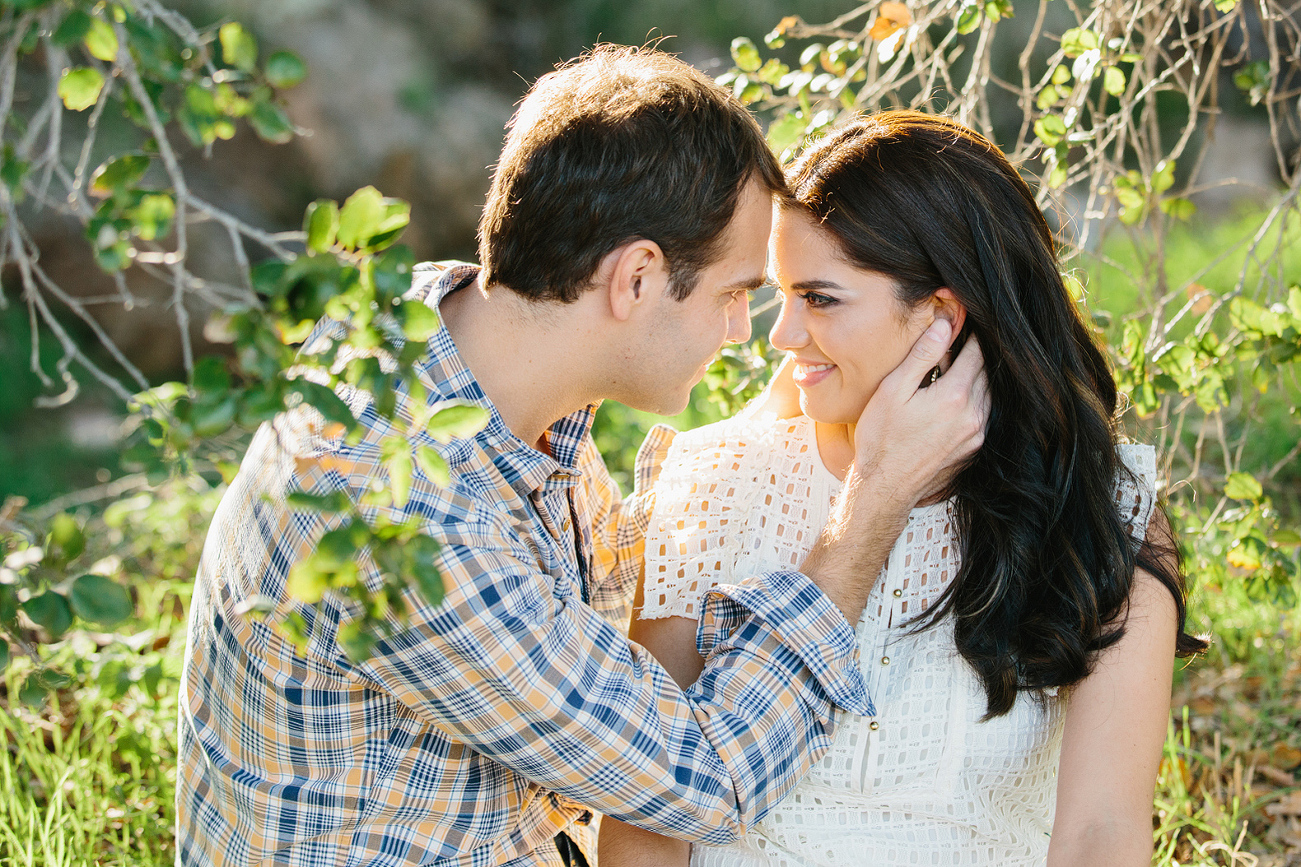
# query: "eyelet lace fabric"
924,781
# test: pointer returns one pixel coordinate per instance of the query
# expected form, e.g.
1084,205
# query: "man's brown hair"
618,145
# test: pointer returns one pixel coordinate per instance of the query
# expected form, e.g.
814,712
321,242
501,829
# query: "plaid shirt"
514,709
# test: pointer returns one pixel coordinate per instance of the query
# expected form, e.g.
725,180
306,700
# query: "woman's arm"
672,641
1115,728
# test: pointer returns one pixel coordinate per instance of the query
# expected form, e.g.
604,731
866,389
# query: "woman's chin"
821,413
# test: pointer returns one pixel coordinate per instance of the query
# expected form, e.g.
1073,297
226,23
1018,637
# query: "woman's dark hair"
1047,558
620,144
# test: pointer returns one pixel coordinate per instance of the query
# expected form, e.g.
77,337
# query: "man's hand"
909,443
913,439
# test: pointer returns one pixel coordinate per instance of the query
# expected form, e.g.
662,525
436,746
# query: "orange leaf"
891,17
1285,756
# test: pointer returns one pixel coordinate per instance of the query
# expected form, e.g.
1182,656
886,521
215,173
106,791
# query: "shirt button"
897,592
885,660
874,725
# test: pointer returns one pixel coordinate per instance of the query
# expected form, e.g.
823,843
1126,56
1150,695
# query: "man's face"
684,336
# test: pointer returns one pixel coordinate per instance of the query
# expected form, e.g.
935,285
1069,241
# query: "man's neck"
524,355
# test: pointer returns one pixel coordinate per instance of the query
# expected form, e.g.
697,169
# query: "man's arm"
908,445
552,691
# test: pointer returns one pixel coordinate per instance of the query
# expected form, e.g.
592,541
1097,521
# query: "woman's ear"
948,307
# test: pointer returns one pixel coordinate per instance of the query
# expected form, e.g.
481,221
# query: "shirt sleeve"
550,689
618,526
1136,487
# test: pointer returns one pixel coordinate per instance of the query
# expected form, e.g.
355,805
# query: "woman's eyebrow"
816,286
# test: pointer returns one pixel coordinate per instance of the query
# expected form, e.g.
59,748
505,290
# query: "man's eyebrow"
748,285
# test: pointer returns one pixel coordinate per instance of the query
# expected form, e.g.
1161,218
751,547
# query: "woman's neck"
835,447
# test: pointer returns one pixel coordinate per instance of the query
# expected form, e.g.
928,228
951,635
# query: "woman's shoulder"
1136,485
742,434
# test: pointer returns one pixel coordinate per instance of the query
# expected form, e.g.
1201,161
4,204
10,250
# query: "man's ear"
949,308
638,273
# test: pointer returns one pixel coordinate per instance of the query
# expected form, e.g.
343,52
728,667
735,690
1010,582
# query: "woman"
1018,644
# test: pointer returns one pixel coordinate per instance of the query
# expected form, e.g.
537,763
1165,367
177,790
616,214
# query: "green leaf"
307,580
211,418
8,603
201,119
1294,301
323,399
152,218
422,552
396,216
13,171
4,656
1113,81
1050,129
1287,538
745,54
1225,6
97,599
50,611
79,88
65,542
335,501
321,223
1078,40
270,122
360,217
238,47
101,41
773,72
285,69
433,465
419,321
1242,486
72,30
1061,75
786,132
457,420
117,174
968,18
1048,97
1164,176
400,469
1180,209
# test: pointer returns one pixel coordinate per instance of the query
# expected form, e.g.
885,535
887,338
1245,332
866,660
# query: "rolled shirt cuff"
795,610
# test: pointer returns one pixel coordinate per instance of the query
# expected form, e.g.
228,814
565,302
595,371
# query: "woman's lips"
808,374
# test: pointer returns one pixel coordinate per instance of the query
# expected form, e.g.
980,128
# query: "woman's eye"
817,299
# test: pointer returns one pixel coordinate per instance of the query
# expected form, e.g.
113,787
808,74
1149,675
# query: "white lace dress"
924,781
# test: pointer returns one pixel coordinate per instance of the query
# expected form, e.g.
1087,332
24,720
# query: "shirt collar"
447,378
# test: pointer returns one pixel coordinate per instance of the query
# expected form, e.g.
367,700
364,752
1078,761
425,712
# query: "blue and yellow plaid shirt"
514,709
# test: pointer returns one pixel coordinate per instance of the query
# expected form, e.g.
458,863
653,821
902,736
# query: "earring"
934,375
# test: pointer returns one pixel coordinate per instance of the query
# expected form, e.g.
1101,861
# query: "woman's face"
843,326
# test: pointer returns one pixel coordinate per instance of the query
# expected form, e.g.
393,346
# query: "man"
627,222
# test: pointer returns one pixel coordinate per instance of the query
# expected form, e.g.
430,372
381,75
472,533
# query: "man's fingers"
925,354
968,366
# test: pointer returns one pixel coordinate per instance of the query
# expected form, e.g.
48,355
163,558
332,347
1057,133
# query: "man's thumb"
927,351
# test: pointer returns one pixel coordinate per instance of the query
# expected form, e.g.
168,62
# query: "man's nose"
738,322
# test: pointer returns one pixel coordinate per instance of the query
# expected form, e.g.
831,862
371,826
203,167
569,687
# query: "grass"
87,781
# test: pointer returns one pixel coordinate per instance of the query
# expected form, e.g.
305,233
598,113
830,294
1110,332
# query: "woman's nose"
788,332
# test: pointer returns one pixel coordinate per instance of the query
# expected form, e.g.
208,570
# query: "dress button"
874,725
897,592
885,660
